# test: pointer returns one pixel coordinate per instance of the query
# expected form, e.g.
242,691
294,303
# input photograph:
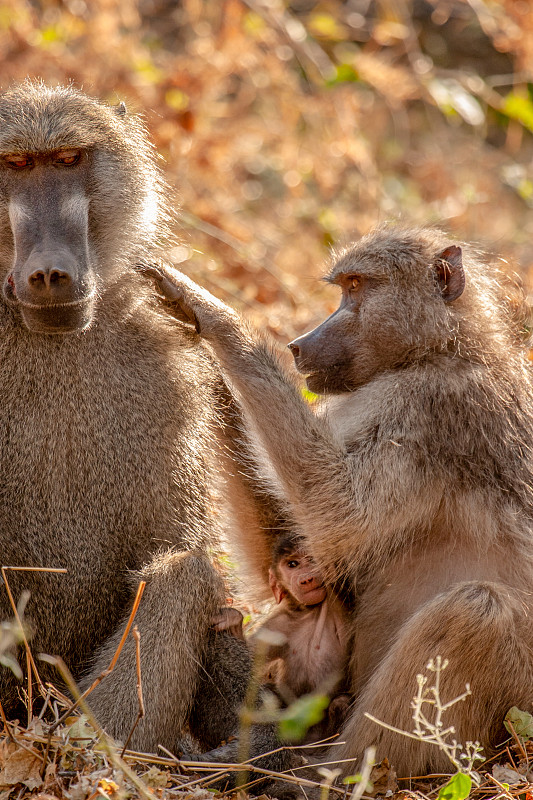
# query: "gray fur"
413,483
107,435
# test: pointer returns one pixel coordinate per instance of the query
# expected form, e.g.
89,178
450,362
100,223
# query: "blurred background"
289,127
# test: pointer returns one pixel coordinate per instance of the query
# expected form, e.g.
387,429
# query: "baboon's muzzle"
51,282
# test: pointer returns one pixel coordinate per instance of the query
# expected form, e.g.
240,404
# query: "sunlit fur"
108,452
414,489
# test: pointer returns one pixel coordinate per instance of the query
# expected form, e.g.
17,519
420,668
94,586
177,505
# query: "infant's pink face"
302,578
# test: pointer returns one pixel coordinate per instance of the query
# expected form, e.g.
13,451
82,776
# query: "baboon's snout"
51,281
303,350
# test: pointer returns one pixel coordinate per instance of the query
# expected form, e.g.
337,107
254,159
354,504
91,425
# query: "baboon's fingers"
188,301
230,620
172,294
168,289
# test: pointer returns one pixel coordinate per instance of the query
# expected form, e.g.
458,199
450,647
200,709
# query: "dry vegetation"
287,127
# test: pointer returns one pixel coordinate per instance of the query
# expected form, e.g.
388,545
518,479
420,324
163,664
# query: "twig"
29,656
30,693
518,741
285,776
358,792
6,724
72,707
137,636
296,36
81,697
504,792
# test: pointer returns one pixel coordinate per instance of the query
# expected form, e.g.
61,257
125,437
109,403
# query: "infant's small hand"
229,619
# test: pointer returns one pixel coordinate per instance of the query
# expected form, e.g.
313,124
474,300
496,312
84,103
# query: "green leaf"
176,99
254,24
357,778
311,397
521,721
296,720
457,788
327,26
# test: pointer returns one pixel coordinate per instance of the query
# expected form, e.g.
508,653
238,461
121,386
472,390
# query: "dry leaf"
21,767
505,774
44,796
383,779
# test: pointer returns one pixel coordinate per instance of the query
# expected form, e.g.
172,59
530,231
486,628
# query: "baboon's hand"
229,619
190,302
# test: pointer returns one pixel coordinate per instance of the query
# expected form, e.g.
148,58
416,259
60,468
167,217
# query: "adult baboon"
106,423
414,483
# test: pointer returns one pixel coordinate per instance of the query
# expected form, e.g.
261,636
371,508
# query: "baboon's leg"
222,683
182,595
482,629
224,678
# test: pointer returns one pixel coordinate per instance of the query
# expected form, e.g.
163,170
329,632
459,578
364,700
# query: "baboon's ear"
450,273
120,109
277,589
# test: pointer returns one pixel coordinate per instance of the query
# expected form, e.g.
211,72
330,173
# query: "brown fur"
106,426
414,482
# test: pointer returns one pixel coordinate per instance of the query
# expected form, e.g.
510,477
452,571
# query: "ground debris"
78,768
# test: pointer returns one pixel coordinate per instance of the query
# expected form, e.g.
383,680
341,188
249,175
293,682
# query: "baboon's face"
295,574
79,203
396,289
301,577
343,352
51,279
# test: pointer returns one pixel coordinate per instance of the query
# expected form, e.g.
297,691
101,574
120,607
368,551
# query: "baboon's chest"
317,650
87,442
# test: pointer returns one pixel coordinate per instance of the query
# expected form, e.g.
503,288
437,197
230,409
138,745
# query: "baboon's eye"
18,162
293,563
354,283
67,158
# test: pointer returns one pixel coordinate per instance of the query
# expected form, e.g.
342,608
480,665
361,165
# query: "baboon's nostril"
36,278
295,350
58,276
48,278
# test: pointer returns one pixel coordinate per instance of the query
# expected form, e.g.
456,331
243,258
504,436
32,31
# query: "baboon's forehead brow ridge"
388,252
53,122
351,262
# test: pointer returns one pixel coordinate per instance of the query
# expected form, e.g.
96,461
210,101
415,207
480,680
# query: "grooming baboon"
106,424
413,484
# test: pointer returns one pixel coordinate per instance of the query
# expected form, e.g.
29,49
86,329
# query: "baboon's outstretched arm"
257,514
305,450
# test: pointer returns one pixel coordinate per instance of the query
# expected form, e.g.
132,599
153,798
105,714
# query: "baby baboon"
106,423
414,483
311,619
311,652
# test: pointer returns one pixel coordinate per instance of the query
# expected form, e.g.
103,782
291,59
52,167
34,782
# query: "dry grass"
74,763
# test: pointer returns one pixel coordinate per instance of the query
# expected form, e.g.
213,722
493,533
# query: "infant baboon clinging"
311,619
312,650
414,483
106,424
309,652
